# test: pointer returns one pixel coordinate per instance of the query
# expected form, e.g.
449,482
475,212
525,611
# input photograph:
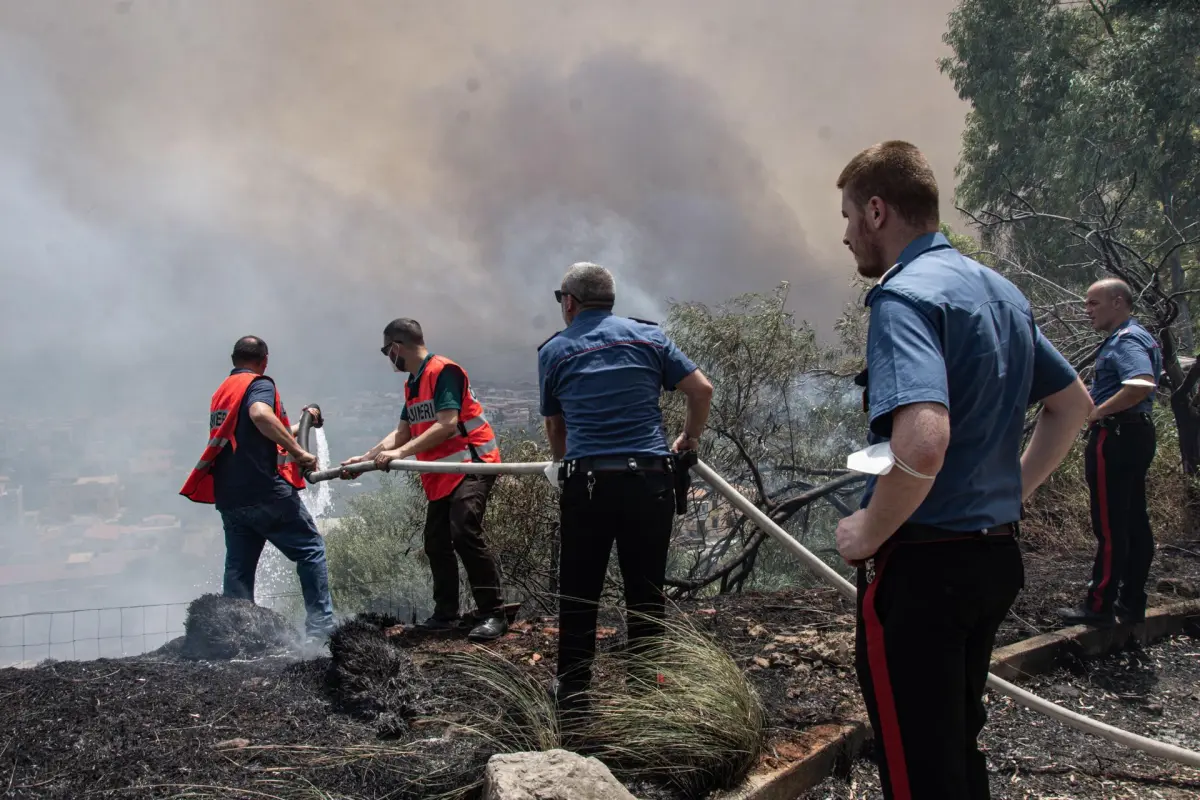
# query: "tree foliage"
1073,104
782,420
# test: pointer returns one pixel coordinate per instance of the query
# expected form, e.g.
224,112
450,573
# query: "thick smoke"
178,174
174,175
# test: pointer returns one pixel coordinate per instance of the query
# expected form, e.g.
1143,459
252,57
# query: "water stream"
276,575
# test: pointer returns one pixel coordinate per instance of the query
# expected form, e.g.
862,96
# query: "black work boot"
491,628
571,705
1082,616
438,624
1127,614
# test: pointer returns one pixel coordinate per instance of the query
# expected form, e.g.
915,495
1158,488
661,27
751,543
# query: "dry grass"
507,708
701,728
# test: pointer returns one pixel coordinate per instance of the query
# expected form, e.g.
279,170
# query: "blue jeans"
285,523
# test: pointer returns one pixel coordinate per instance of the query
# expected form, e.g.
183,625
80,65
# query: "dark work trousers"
1117,459
926,625
454,524
635,510
285,523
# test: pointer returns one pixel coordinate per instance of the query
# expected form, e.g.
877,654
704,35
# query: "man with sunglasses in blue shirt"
601,379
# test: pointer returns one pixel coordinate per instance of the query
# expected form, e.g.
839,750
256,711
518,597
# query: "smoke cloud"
179,174
174,175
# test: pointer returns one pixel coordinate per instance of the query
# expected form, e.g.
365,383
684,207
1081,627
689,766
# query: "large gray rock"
552,775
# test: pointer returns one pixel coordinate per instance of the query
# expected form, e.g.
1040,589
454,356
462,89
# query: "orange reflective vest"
222,423
475,440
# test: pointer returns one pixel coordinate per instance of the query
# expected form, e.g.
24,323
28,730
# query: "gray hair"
590,284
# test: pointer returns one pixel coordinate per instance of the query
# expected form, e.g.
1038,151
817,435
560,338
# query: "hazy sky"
175,174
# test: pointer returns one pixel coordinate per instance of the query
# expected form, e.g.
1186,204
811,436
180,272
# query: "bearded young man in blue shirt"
953,361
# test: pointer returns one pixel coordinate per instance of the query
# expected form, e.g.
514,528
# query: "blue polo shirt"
249,475
1128,352
946,329
604,374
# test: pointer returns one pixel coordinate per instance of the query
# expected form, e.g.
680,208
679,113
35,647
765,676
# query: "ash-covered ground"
219,714
1153,691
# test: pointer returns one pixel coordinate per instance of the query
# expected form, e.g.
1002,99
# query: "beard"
869,256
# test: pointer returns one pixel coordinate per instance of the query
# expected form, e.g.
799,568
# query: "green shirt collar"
415,378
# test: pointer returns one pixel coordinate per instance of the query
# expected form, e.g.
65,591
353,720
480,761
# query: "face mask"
397,363
874,460
878,459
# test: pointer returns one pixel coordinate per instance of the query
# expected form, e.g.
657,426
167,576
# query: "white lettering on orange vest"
421,412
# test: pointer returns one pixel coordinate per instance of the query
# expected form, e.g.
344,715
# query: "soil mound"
220,628
373,679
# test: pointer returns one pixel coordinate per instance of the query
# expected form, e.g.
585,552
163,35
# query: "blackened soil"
1056,580
1153,691
166,726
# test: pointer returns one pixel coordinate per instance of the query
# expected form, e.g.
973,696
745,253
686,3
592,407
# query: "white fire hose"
1031,701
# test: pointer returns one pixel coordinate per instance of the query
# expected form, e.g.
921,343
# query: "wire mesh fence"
82,634
120,631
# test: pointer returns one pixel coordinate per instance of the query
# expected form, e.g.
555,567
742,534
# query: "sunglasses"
559,294
387,349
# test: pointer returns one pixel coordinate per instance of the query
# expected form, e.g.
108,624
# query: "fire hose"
1029,700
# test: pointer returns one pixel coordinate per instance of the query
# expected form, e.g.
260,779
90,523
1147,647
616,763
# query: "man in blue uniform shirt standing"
601,379
953,361
1121,444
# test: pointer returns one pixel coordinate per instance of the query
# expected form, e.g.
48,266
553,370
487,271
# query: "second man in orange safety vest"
442,421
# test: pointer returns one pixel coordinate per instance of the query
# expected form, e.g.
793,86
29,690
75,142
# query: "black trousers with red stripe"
926,626
1117,458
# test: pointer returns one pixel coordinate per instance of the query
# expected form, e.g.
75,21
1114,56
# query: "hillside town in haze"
104,525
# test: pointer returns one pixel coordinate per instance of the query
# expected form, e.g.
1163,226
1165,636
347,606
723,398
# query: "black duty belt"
678,465
921,534
611,464
1125,418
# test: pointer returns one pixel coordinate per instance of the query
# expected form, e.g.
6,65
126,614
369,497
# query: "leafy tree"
782,421
375,553
1068,96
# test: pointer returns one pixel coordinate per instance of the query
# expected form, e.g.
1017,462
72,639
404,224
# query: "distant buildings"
12,506
102,524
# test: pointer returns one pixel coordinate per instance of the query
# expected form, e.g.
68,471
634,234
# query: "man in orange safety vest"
252,471
442,421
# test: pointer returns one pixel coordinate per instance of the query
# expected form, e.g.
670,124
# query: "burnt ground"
1055,579
1153,691
162,725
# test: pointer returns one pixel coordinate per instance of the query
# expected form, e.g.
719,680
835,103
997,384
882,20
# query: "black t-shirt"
250,475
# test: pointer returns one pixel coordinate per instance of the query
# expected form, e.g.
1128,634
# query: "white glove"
551,473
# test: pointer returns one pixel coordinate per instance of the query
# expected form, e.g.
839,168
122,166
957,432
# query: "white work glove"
551,473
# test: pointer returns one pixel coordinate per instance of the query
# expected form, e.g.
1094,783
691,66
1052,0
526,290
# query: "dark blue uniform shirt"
946,329
604,374
1128,352
249,475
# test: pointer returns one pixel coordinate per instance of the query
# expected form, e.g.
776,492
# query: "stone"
552,775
